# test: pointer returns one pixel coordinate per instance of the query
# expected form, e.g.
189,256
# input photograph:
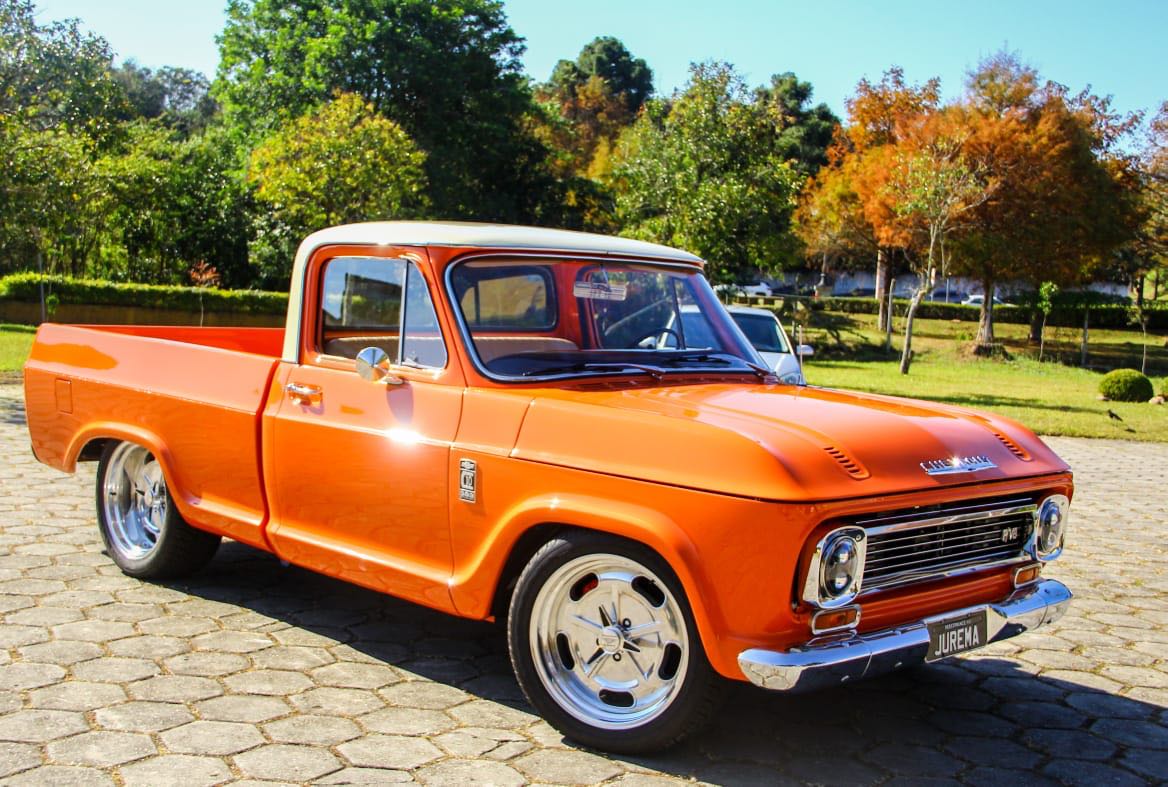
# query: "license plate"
957,635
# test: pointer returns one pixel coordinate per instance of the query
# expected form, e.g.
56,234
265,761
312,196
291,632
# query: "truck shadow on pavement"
983,719
12,411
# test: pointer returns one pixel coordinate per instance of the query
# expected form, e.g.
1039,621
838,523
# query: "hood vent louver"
849,465
1015,449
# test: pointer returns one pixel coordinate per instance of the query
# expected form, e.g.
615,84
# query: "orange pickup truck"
566,431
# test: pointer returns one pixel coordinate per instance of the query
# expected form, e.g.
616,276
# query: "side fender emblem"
468,475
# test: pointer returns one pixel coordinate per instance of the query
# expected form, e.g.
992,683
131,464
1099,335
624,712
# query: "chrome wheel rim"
609,641
135,500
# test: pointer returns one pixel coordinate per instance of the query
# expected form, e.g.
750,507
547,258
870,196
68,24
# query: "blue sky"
1118,47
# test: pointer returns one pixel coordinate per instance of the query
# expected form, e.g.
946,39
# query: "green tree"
50,197
578,115
178,97
173,203
339,164
55,75
628,78
806,131
447,71
705,173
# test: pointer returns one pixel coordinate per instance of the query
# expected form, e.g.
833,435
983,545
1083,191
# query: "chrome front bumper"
832,660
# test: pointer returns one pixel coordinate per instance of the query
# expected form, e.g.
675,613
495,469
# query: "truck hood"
774,442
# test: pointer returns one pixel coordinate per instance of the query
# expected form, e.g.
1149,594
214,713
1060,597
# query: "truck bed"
167,388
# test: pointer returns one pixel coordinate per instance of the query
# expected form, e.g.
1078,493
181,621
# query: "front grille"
911,546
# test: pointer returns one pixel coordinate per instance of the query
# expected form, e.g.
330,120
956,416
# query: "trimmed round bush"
1126,385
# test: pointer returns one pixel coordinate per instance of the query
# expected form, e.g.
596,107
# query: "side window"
366,301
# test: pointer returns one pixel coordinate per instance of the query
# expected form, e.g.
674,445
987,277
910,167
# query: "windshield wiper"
588,366
761,372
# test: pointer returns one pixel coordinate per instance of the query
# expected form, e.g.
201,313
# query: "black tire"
178,549
695,700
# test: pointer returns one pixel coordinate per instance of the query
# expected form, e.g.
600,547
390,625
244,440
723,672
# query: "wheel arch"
530,525
89,444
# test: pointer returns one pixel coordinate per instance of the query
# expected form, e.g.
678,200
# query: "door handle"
303,394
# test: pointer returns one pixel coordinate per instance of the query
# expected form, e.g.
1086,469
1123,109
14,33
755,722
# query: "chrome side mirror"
804,350
373,365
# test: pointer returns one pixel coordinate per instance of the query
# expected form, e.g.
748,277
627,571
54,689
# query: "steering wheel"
658,334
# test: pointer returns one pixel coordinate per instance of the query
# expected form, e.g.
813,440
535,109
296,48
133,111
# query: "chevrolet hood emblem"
958,464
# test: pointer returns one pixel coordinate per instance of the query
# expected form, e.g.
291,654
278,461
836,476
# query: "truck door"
357,470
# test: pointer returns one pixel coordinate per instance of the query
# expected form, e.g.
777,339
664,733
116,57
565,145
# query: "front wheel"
604,645
143,531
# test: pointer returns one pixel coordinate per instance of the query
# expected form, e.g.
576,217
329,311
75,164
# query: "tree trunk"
1037,326
883,282
1042,338
906,352
888,328
985,328
1083,350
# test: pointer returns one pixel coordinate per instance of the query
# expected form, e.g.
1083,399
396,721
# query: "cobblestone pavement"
253,672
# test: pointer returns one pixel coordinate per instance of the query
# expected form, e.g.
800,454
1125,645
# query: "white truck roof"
459,234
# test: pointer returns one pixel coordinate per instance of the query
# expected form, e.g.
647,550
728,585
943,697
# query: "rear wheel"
143,531
604,645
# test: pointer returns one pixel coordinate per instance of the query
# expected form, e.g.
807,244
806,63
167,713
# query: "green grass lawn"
15,341
1050,397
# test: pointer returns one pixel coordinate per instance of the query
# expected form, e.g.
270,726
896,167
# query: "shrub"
62,290
1126,385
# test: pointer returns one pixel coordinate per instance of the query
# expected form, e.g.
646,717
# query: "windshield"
762,330
537,319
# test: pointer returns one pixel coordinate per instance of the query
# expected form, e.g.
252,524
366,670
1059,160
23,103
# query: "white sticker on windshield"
599,291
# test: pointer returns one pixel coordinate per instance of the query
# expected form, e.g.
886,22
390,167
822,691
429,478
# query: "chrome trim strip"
951,519
962,505
829,661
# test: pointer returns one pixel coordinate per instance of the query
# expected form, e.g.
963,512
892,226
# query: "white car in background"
979,299
755,289
763,330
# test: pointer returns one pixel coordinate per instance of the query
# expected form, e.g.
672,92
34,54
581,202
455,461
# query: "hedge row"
90,292
1103,315
26,287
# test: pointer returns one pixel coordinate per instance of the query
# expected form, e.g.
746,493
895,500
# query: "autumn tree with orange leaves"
921,191
1055,197
1064,199
832,220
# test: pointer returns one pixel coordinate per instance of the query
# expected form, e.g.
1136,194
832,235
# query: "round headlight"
839,567
1051,527
793,378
